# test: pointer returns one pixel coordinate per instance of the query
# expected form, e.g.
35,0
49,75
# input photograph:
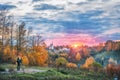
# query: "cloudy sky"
69,21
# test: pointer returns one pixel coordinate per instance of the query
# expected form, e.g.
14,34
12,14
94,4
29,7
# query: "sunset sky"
68,21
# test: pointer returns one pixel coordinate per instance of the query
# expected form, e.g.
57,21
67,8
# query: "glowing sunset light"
76,45
73,39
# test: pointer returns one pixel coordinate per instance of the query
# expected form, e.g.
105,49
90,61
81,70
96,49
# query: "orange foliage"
25,60
88,62
41,55
8,56
86,51
78,56
7,50
71,65
31,58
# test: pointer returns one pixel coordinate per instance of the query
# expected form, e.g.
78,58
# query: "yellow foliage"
25,60
61,61
7,50
88,62
64,55
78,56
71,65
41,55
8,55
39,48
32,60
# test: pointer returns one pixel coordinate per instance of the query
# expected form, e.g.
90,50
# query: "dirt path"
30,70
23,70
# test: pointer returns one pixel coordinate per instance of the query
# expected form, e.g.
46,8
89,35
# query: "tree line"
16,39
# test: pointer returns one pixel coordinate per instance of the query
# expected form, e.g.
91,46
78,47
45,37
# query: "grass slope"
57,74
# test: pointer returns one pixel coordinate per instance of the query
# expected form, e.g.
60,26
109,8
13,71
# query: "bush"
71,65
95,66
61,61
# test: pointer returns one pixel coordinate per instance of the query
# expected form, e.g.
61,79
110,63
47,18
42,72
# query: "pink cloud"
73,38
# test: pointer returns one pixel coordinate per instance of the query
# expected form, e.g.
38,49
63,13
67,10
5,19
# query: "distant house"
51,47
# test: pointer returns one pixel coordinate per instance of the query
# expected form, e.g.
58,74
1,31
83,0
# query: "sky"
65,22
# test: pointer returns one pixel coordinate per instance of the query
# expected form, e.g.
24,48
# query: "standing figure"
19,62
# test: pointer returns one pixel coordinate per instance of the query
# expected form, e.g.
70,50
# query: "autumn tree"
7,56
37,54
78,56
41,55
86,51
4,30
109,45
88,62
20,36
32,59
28,40
37,40
25,60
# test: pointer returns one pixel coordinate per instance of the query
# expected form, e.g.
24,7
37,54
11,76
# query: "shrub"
61,61
95,66
71,65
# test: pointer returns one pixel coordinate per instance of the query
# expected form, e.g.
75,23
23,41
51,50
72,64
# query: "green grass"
2,68
57,74
8,65
41,68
